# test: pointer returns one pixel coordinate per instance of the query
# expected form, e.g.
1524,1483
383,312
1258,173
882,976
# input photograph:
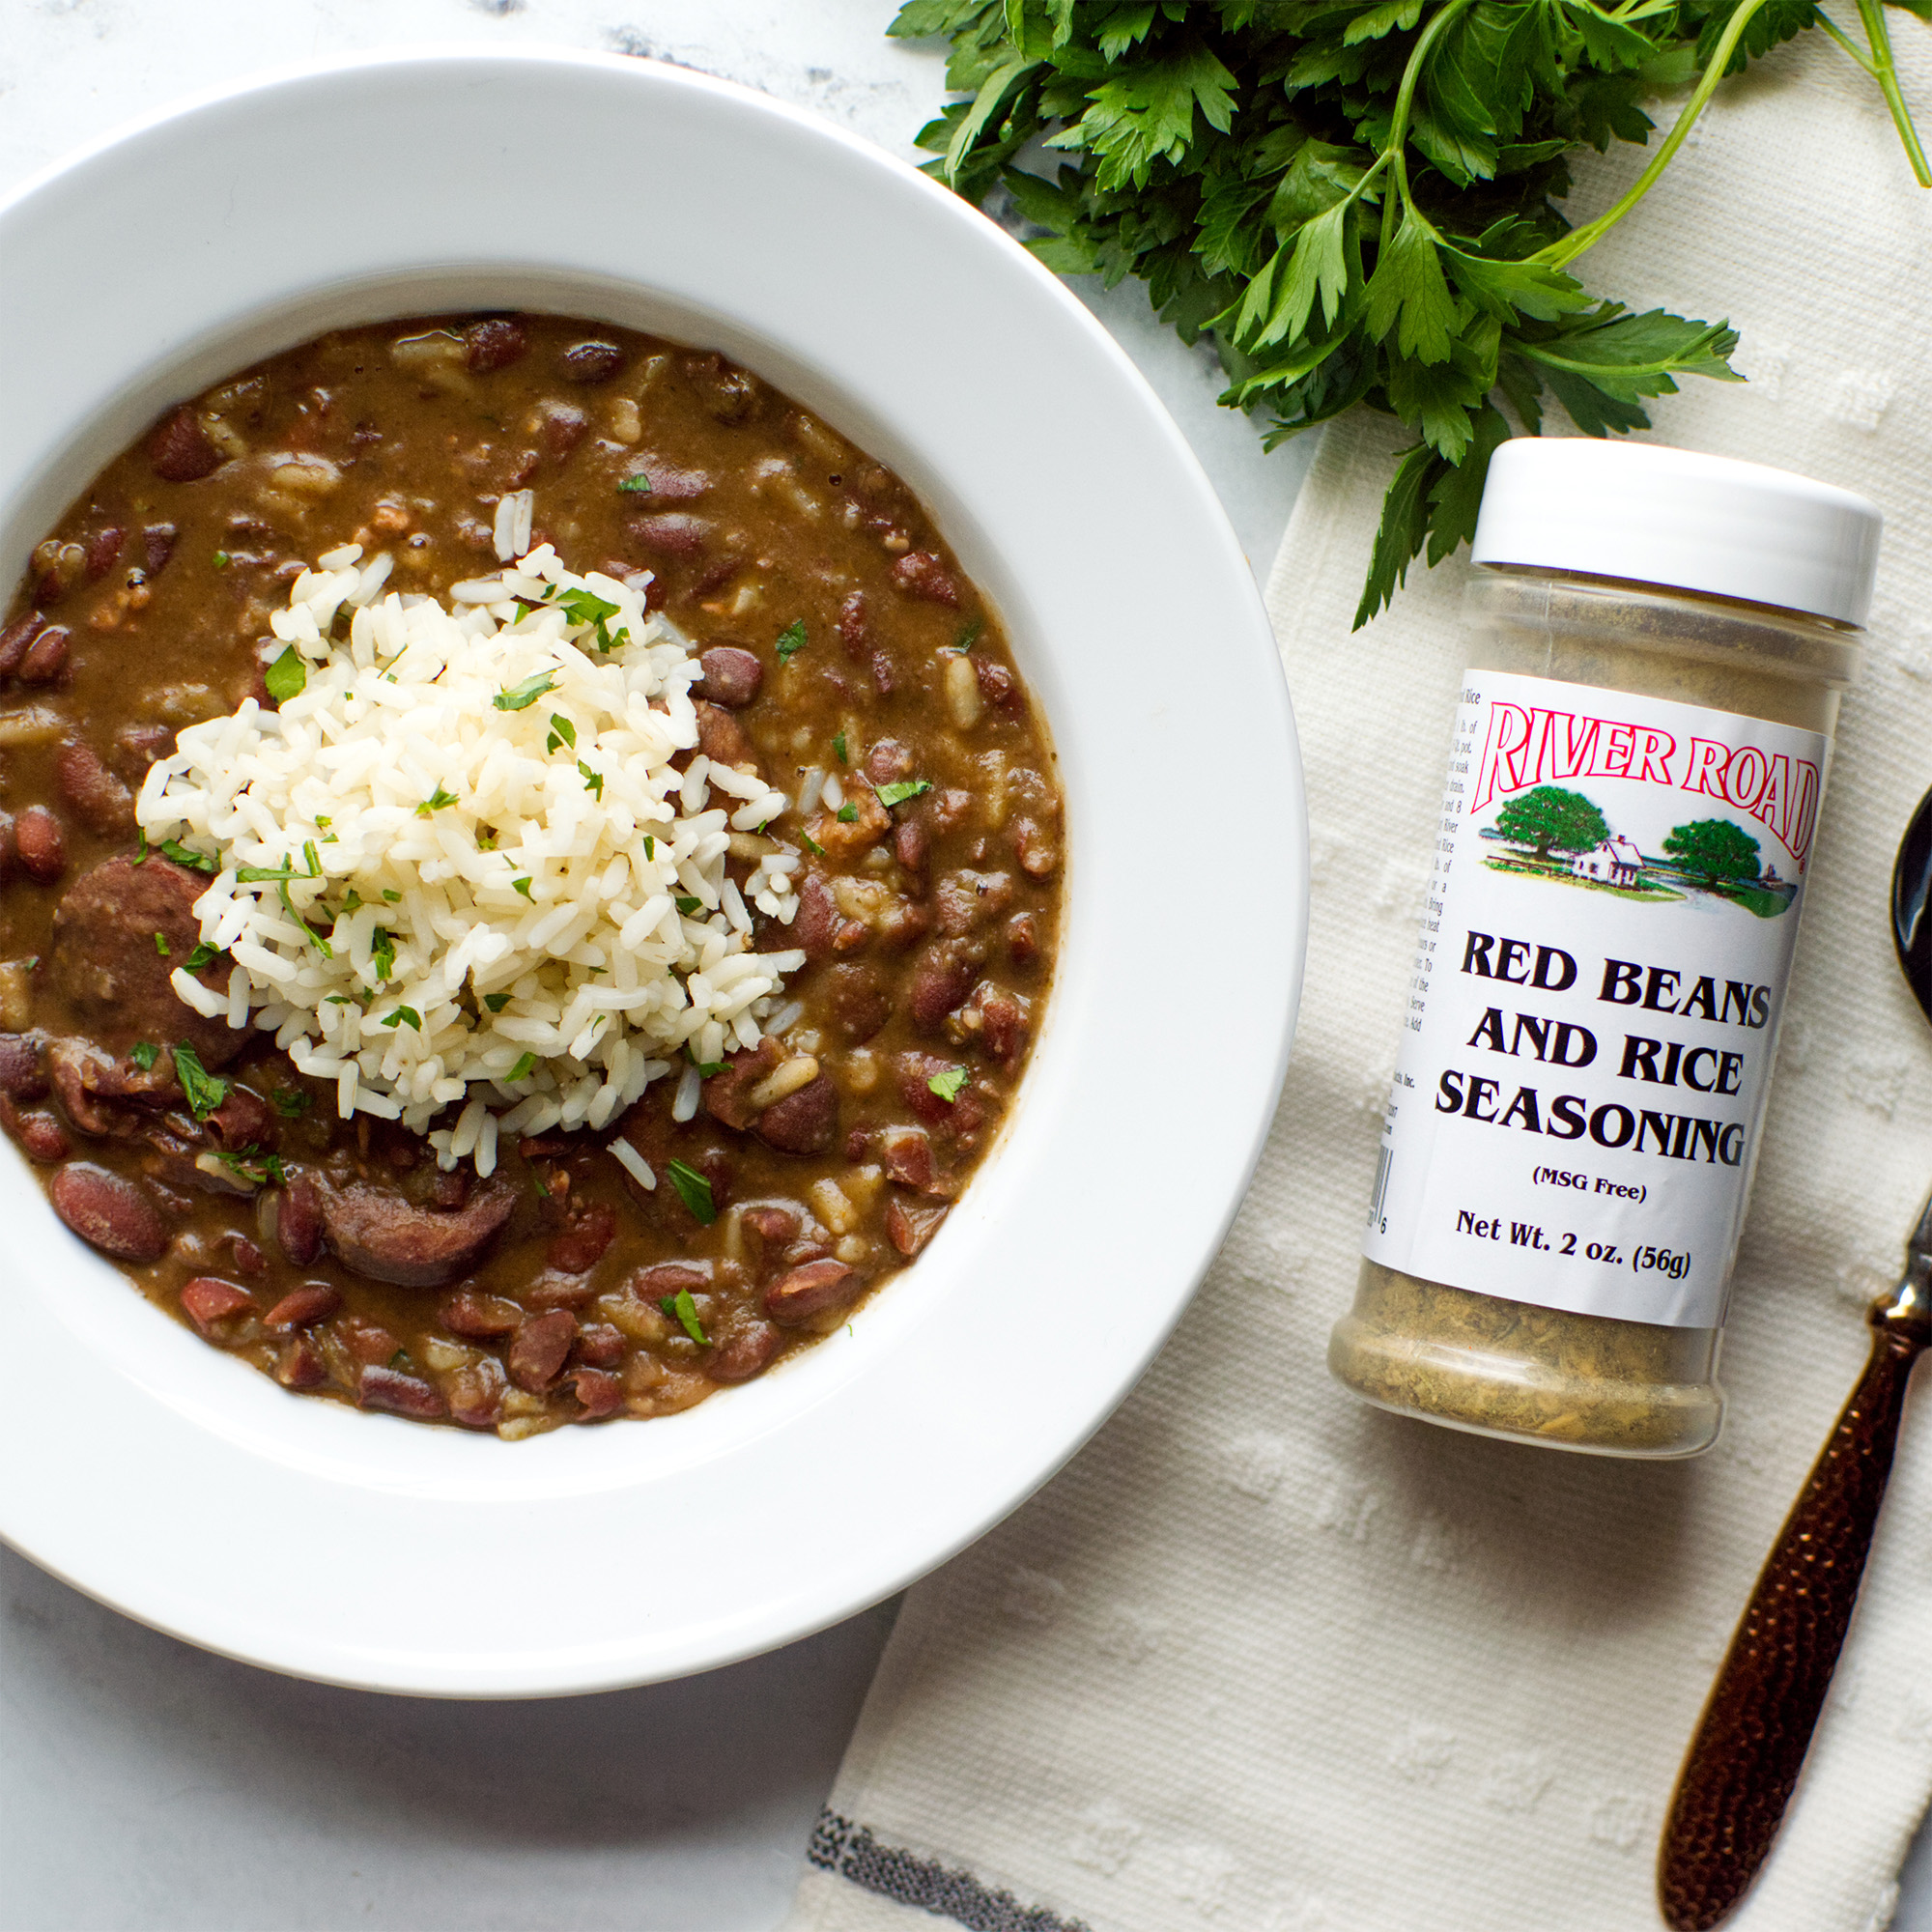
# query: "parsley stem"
1411,77
1845,41
1873,14
1559,254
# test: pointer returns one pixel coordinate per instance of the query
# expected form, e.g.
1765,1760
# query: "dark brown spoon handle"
1752,1738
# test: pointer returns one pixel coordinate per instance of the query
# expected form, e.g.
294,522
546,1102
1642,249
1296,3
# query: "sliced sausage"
106,959
379,1232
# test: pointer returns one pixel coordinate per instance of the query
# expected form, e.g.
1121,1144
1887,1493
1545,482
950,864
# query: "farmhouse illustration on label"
1561,836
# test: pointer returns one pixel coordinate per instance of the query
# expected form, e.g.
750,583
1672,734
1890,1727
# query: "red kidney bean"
912,841
102,548
601,1346
727,1094
906,1155
478,1316
852,626
109,1213
600,1394
158,545
243,1120
772,1225
181,450
208,1299
15,638
369,1341
22,1076
580,1246
300,1364
300,1308
941,978
298,1220
99,800
1022,939
536,1354
997,684
563,429
888,762
857,999
884,682
248,1257
802,1292
998,1019
909,1229
802,1122
494,344
477,1395
731,676
1032,845
587,362
920,574
747,1352
43,1137
400,1394
653,1283
10,846
671,485
674,533
46,656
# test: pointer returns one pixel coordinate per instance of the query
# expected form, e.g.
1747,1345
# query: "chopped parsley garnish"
520,697
638,485
687,905
309,932
694,1191
593,781
791,641
524,1068
256,876
287,677
585,607
353,903
496,1002
947,1085
161,944
812,844
313,863
903,790
405,1016
838,745
203,955
144,1053
523,886
196,862
141,850
485,839
682,1309
561,732
382,954
323,824
706,1067
969,635
438,800
200,1089
650,846
291,1102
253,1164
221,559
847,813
391,896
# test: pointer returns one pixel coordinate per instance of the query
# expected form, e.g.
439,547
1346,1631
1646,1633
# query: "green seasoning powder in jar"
1631,807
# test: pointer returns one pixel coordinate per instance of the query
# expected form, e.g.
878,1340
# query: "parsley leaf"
688,905
520,697
161,944
838,745
291,1102
523,886
438,800
791,641
847,813
404,1016
496,1002
681,1308
524,1068
812,844
203,955
902,790
1361,204
640,484
947,1085
561,732
969,635
694,1190
144,1053
593,781
253,1165
200,1089
287,677
196,862
382,954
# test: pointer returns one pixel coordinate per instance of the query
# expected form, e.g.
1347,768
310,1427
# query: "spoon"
1752,1738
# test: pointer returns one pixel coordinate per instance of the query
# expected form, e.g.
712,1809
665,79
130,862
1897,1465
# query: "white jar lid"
1652,515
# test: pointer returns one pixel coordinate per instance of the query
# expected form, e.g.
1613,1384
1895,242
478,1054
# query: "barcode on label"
1383,1155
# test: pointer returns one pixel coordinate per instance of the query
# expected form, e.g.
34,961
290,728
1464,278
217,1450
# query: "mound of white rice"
487,884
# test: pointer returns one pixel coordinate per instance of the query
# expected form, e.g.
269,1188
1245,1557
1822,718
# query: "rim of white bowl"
192,1493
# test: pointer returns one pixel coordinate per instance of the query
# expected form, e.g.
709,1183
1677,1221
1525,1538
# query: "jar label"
1590,1027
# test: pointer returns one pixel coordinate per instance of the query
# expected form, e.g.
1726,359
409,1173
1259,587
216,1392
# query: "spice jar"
1631,807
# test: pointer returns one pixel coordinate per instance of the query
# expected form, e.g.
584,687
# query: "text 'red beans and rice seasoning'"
1631,807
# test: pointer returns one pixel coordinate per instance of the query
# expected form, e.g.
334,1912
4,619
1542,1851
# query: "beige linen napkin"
1264,1658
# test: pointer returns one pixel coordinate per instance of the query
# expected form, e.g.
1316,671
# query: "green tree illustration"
1548,817
1718,848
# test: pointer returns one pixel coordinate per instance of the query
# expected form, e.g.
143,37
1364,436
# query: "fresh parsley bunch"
1356,200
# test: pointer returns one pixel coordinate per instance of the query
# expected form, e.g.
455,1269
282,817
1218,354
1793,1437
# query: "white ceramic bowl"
186,1488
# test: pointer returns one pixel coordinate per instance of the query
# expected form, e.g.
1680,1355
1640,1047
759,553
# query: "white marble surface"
146,1787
